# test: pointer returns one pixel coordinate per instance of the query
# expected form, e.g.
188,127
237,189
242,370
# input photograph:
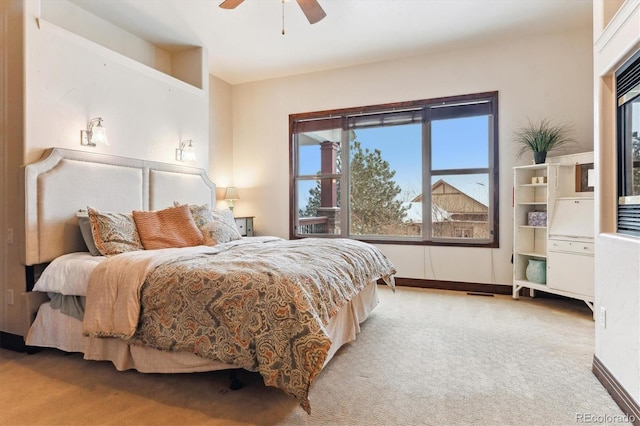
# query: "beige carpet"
424,357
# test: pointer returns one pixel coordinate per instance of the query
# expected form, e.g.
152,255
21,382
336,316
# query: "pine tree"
311,209
373,203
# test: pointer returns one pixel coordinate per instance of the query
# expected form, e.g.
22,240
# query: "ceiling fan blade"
312,10
230,4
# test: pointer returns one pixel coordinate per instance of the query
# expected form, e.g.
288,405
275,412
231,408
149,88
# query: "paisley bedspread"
259,304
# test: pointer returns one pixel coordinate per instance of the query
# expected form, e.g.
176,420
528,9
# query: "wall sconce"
95,133
186,151
230,194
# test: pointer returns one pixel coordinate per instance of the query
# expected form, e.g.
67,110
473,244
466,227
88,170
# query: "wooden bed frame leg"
235,382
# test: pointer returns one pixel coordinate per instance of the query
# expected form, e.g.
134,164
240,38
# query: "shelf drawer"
577,247
571,272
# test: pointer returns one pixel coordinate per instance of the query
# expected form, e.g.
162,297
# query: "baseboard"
454,285
626,403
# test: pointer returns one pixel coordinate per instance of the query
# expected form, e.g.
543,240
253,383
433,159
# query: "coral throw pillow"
173,227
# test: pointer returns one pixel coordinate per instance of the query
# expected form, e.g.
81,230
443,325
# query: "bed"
281,308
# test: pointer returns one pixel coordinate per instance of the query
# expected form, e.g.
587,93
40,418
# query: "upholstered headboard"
64,181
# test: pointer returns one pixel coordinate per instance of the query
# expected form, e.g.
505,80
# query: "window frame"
301,122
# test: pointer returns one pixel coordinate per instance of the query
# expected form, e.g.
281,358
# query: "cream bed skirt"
55,330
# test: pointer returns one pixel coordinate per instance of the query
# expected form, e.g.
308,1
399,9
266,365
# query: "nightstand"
245,225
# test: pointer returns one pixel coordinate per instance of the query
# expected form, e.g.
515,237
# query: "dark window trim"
334,119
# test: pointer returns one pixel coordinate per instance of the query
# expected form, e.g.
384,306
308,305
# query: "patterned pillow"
201,214
171,227
221,229
113,233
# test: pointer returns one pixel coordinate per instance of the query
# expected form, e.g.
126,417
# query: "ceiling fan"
311,8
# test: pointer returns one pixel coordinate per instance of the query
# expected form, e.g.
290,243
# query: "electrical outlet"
9,297
10,236
603,317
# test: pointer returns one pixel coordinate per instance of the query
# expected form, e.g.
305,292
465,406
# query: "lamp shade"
231,193
99,135
186,151
189,153
95,133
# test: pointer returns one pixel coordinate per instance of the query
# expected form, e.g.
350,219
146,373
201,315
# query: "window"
375,173
628,141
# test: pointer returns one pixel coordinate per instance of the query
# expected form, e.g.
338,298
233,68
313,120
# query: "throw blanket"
258,304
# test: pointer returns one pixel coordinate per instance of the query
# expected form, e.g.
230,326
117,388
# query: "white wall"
617,344
73,18
537,77
617,285
70,80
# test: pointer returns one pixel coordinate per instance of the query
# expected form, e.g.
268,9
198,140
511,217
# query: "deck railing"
313,225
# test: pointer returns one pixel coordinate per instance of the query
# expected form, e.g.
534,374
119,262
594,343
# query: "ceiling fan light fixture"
311,9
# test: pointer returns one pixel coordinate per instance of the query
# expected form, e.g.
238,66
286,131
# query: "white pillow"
68,274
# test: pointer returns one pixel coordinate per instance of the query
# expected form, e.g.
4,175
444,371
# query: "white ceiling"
246,44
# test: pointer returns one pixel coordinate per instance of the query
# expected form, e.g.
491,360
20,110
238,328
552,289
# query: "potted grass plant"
542,137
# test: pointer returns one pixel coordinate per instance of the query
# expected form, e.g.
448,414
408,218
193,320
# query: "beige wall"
11,156
541,76
220,135
69,79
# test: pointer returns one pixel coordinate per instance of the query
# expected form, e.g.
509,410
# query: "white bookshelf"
544,188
